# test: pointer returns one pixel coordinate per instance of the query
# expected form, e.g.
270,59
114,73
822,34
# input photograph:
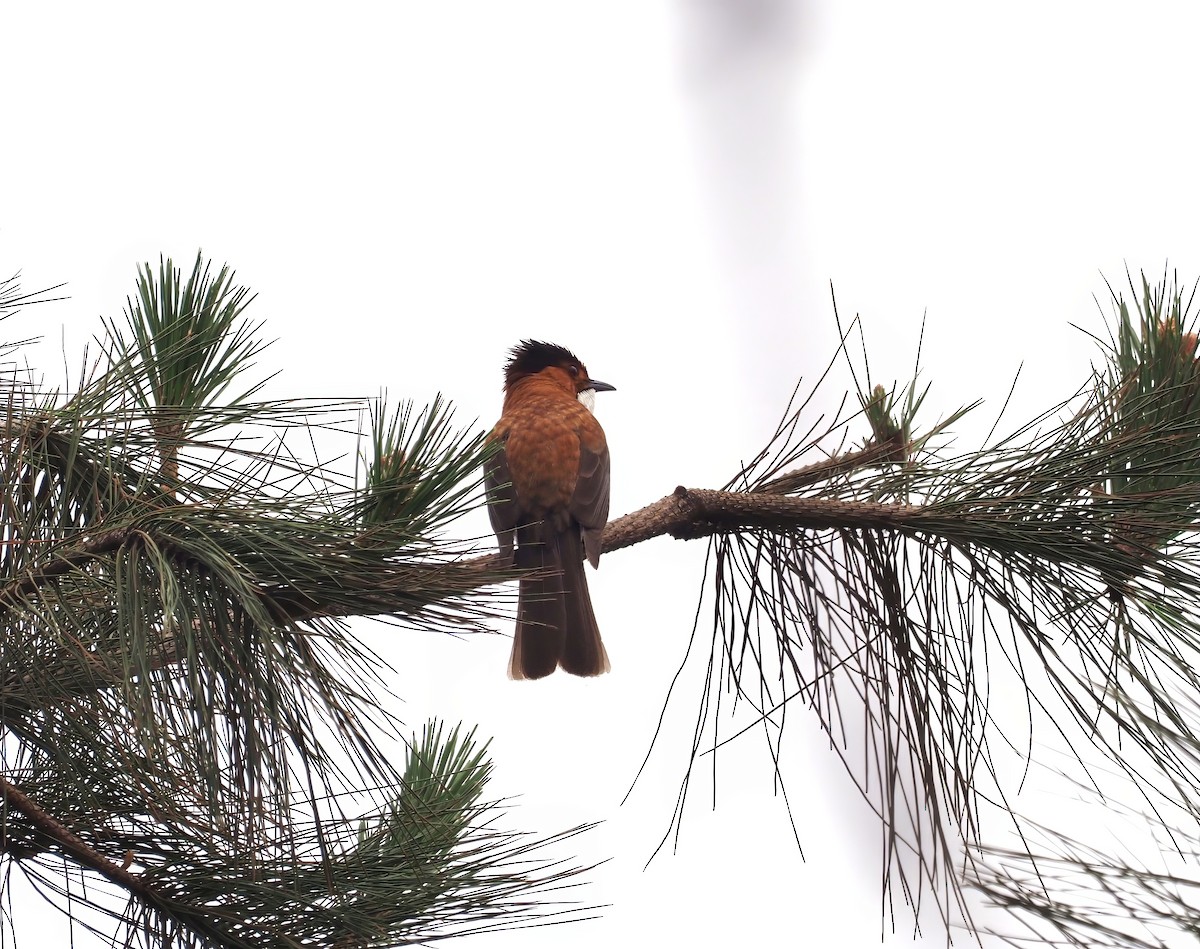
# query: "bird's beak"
599,386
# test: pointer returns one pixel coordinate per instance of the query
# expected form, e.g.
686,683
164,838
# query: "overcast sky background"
667,188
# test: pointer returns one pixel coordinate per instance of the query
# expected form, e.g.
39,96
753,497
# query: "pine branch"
86,856
174,685
689,514
1067,549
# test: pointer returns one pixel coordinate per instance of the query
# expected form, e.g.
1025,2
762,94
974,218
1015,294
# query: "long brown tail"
555,622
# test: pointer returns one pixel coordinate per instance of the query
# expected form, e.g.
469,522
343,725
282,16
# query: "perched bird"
548,491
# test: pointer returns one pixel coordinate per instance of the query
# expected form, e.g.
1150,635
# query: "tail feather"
555,622
541,622
583,652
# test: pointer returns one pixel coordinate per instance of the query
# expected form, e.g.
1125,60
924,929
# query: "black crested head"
531,356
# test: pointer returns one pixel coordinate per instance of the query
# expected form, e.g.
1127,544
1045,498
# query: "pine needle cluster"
184,715
947,616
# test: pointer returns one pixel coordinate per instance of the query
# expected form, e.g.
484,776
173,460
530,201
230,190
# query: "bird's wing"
589,503
502,509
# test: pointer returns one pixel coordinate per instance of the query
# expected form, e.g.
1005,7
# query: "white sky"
668,189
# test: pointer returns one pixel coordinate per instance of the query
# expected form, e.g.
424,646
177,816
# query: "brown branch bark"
73,845
686,514
893,451
83,853
692,513
76,556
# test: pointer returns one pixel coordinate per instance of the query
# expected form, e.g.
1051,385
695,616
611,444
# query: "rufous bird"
547,489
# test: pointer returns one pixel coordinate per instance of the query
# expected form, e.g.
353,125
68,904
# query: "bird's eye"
574,370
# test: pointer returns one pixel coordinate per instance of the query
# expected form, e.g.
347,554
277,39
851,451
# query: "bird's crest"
531,356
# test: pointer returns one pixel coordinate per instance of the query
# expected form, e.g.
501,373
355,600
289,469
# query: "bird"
547,483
